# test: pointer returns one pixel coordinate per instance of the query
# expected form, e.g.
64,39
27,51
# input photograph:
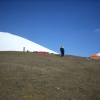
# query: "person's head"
62,46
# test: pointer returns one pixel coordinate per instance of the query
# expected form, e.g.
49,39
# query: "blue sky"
74,24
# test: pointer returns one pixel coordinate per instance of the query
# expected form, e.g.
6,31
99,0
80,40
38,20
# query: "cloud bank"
97,30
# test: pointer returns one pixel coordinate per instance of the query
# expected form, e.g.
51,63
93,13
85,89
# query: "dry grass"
30,76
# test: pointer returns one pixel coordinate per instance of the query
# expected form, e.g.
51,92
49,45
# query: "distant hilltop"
10,42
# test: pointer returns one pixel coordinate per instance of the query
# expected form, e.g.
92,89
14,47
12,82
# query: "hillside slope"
30,76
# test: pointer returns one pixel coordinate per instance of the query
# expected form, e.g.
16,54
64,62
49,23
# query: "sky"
74,24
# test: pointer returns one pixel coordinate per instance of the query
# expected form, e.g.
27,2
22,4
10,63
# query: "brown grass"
30,76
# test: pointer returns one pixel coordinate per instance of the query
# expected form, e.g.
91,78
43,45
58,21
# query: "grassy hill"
30,76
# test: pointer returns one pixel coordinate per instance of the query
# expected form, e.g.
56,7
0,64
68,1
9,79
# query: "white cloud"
97,30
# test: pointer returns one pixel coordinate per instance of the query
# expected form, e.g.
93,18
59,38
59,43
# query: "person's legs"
62,54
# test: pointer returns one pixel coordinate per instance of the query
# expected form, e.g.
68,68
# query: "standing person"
62,51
